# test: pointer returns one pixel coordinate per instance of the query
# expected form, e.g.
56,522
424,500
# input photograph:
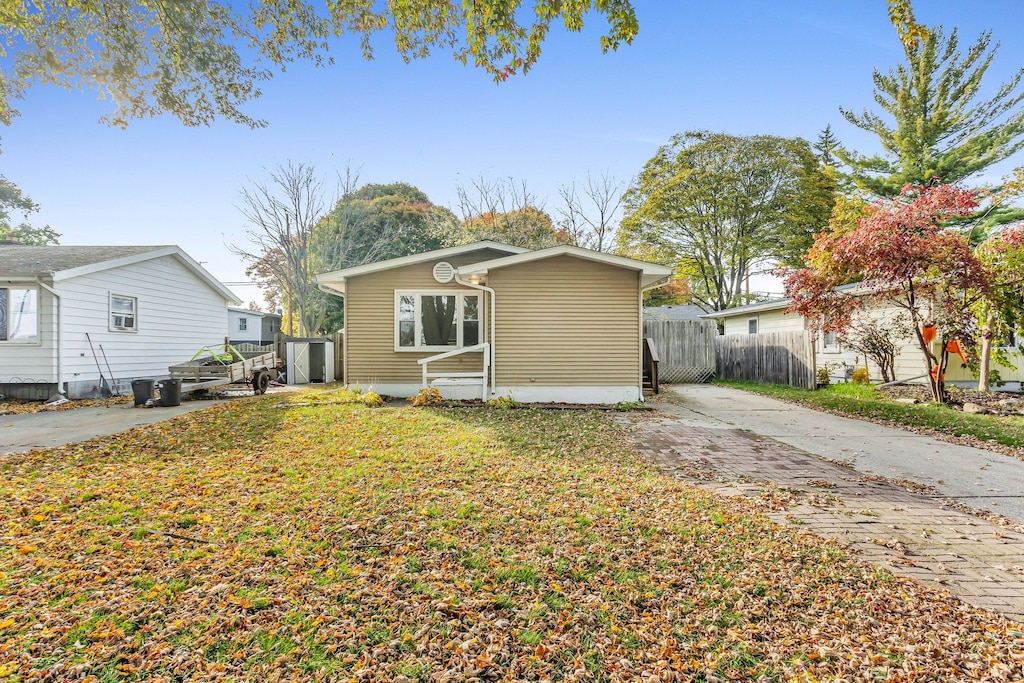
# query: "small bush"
427,397
626,406
823,377
504,403
371,399
861,376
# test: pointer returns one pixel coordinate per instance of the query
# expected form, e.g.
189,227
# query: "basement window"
19,315
436,320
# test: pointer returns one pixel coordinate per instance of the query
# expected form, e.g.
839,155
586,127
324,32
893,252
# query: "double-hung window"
19,315
243,324
123,313
436,321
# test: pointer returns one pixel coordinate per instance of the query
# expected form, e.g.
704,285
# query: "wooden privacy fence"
686,349
770,358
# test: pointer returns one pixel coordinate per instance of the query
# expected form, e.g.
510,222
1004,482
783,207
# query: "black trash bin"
170,392
143,390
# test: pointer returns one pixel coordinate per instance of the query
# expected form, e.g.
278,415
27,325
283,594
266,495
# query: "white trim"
460,295
757,324
830,348
650,272
110,312
337,277
590,395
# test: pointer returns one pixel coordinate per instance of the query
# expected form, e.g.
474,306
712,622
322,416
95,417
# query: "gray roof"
21,259
673,312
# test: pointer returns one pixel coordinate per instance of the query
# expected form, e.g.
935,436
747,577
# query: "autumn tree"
934,123
13,203
589,213
905,258
722,206
507,211
205,60
998,315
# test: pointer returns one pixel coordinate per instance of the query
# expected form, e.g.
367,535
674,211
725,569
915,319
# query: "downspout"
654,285
491,336
60,337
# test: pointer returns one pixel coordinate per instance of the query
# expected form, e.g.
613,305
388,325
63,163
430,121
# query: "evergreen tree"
940,129
827,146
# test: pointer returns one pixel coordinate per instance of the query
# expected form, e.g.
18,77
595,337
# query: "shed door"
298,362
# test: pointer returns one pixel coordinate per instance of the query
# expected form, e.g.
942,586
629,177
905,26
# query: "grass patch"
337,538
858,400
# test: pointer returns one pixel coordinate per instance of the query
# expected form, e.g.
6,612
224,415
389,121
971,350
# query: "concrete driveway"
58,427
978,478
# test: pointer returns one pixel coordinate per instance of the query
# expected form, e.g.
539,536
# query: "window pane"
470,333
437,315
406,333
471,308
407,308
122,305
752,326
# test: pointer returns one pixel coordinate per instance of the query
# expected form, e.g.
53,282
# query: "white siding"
177,314
767,321
253,330
32,363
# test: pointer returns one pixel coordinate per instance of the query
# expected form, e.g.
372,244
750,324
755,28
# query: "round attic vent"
444,272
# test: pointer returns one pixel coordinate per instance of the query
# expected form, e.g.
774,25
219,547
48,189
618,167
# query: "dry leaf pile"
342,542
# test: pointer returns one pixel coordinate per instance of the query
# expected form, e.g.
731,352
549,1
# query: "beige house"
770,316
487,320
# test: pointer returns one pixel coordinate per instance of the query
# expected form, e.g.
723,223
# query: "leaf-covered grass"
860,400
267,541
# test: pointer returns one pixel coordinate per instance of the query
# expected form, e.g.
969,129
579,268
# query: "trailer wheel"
260,382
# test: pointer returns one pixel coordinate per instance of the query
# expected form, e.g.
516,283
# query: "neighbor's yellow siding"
566,321
956,373
370,324
767,321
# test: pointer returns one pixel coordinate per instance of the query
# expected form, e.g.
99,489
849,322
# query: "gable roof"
336,279
64,262
649,272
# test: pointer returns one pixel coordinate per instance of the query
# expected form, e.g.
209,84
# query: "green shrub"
504,403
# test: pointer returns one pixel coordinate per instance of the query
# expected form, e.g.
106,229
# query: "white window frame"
110,313
460,294
830,348
37,338
243,324
757,325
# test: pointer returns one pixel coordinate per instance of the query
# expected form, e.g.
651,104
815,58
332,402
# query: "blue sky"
781,67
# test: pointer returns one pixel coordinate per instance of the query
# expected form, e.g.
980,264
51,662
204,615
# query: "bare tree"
590,220
506,211
878,341
293,236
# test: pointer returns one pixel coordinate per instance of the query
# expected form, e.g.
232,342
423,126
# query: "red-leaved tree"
903,257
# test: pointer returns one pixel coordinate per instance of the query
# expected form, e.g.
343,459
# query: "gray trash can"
170,392
143,390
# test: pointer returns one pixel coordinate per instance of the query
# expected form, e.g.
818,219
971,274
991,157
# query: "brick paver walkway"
911,533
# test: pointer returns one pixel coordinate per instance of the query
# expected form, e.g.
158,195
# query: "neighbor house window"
830,342
243,324
436,320
752,326
19,314
1012,340
123,310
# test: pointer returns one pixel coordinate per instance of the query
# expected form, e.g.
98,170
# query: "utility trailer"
209,369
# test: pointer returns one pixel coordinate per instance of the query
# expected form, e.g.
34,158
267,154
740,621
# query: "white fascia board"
752,308
651,272
336,277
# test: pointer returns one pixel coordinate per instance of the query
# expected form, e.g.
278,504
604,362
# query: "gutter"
60,338
492,335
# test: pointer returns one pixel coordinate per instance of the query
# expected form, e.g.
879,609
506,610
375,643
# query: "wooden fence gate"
686,349
770,358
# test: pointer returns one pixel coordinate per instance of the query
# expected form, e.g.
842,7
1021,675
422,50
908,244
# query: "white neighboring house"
246,326
770,316
142,308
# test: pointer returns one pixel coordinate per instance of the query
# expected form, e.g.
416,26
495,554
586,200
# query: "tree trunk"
986,352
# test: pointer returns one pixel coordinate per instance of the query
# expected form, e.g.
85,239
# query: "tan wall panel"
565,321
370,323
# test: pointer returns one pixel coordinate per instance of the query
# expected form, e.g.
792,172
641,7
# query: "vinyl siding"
767,321
177,314
957,374
566,321
251,334
370,356
36,362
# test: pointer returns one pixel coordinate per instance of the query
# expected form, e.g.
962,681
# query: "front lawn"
863,401
265,541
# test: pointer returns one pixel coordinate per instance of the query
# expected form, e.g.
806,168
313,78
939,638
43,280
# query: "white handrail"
485,347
